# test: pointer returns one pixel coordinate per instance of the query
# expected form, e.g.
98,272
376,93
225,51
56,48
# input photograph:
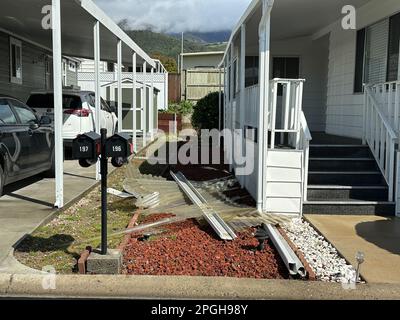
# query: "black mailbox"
86,146
119,146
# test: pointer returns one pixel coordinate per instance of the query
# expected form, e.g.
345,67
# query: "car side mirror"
45,121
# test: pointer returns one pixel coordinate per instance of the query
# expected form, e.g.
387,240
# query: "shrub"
184,108
205,115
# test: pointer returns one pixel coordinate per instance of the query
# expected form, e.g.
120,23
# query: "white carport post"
151,105
225,94
242,72
134,101
219,98
119,83
144,105
231,93
58,111
97,85
166,89
264,71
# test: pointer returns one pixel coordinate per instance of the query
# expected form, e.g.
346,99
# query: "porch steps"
345,179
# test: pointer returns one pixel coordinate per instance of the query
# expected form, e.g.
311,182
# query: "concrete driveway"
26,203
377,237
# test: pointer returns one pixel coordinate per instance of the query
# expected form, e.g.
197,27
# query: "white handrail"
387,97
305,146
380,137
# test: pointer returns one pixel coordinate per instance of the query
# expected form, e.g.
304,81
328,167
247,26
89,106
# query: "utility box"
119,146
86,146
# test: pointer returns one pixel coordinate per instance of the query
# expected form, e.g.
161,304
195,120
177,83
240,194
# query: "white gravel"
320,254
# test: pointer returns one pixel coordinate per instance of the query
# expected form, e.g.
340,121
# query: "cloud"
176,15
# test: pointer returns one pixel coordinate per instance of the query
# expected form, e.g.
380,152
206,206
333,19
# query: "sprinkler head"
360,257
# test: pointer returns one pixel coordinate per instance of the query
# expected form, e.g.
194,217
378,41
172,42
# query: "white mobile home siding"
344,108
33,69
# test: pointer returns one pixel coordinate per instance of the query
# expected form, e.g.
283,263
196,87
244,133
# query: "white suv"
79,112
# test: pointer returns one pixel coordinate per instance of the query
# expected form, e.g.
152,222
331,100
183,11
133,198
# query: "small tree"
183,108
168,62
205,115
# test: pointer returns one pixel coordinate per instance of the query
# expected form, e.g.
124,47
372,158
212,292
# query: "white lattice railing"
379,131
112,76
387,96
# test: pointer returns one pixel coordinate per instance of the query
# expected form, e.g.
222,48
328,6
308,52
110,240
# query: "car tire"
1,181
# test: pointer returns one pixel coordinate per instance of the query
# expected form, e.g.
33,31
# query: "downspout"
264,52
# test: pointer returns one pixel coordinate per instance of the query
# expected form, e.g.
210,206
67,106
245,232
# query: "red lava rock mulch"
186,248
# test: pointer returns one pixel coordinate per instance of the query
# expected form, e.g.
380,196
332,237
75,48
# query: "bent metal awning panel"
23,19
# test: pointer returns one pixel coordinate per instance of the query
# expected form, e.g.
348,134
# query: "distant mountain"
205,37
170,46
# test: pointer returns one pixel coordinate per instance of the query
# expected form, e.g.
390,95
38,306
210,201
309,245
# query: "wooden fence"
197,83
174,87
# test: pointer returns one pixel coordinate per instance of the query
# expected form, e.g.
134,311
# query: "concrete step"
382,208
340,151
347,193
343,164
342,178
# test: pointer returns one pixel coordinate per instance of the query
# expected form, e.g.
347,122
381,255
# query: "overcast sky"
176,15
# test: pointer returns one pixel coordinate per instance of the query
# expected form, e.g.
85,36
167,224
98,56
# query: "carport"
78,28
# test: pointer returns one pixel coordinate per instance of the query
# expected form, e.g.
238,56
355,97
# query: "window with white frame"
15,61
377,53
72,66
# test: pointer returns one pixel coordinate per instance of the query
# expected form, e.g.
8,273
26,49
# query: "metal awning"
79,29
23,19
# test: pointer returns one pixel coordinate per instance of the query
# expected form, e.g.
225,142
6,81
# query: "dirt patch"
190,248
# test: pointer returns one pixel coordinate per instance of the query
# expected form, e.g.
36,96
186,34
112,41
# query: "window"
377,53
110,67
394,47
25,115
251,73
15,61
285,68
360,59
6,114
235,78
72,66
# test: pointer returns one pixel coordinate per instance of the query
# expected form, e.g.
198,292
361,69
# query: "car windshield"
40,101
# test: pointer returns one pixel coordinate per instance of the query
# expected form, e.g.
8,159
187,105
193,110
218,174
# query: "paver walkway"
377,237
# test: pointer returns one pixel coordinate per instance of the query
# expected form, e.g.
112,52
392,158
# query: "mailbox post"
87,148
103,173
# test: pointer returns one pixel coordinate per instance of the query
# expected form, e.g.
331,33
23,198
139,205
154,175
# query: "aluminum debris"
120,194
147,201
288,256
212,217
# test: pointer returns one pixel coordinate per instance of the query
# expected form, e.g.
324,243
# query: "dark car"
26,142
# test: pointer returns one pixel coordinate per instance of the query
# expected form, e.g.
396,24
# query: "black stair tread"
347,202
342,159
339,187
344,178
375,172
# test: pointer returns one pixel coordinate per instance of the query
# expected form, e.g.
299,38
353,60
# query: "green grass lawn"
60,242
